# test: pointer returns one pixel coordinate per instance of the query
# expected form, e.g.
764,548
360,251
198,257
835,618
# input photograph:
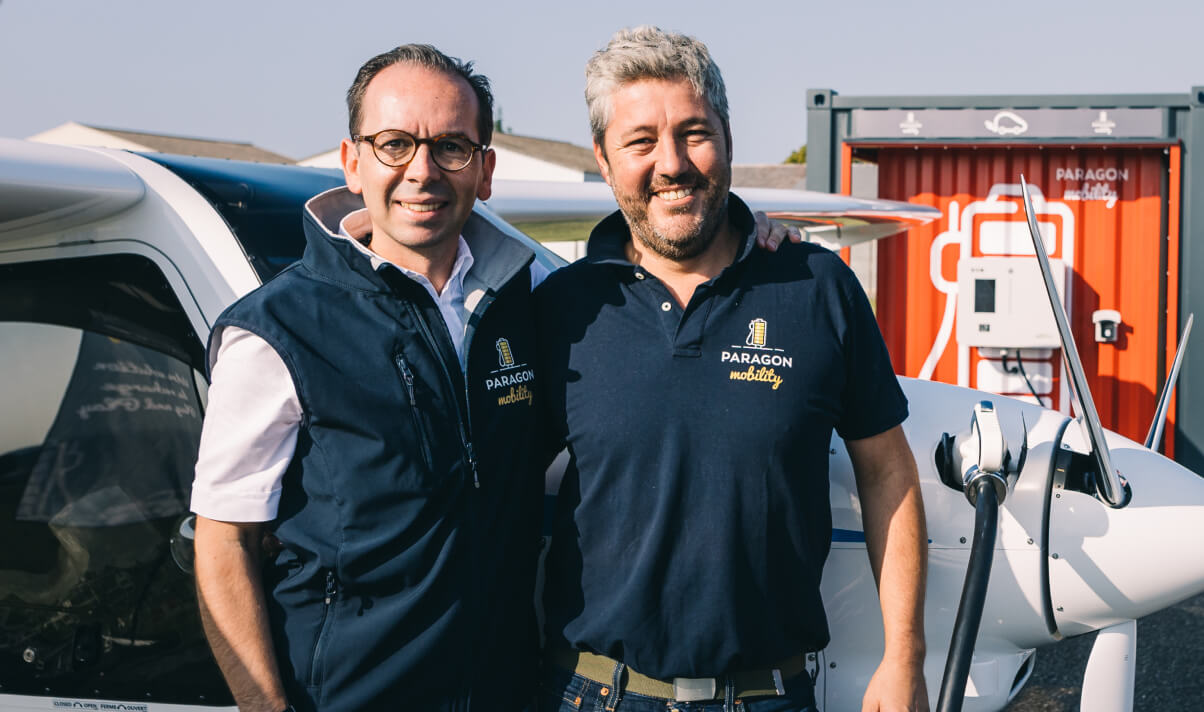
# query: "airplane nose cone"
1108,565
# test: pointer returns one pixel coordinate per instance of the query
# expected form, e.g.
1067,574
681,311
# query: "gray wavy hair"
648,52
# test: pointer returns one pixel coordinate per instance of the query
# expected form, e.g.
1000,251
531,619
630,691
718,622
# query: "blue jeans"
563,691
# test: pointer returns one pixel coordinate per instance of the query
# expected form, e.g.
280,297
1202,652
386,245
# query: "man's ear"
727,135
350,156
603,164
488,163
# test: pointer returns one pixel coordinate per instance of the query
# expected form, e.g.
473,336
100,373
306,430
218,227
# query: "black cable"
974,595
1020,369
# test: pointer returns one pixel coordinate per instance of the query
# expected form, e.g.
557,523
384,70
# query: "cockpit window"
98,438
262,203
123,296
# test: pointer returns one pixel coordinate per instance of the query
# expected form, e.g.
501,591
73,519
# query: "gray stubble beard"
700,236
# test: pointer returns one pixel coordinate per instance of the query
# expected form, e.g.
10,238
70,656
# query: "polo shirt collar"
608,241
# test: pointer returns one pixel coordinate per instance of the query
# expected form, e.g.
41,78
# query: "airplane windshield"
260,202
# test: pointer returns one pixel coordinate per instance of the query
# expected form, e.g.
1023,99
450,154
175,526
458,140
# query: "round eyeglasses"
395,148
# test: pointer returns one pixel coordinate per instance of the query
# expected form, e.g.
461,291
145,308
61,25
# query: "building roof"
792,176
202,147
74,133
562,153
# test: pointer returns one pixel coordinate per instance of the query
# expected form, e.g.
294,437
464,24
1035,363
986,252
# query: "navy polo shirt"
693,520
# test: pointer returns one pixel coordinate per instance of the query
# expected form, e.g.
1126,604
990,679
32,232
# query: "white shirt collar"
356,227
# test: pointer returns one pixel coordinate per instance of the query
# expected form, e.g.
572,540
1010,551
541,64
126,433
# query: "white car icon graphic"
1007,123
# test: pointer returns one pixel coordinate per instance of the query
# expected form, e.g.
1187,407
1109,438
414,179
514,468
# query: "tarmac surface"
1170,665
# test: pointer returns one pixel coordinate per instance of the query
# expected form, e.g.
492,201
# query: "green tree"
799,156
497,123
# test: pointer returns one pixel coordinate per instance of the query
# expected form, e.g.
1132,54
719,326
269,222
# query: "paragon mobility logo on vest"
755,352
510,374
505,358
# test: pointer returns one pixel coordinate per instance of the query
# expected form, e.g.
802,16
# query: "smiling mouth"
676,194
421,207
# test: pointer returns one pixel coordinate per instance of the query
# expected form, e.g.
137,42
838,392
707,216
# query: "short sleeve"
873,402
250,431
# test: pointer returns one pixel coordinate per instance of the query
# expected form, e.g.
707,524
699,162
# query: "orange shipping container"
1108,210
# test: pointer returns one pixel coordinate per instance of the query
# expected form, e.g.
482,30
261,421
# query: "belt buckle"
693,689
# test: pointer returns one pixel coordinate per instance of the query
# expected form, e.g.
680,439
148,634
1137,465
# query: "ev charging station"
1112,178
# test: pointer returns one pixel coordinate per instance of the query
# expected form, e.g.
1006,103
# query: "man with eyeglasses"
350,424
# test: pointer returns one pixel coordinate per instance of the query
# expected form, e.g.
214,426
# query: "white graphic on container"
1007,123
1006,235
910,126
1104,188
1103,125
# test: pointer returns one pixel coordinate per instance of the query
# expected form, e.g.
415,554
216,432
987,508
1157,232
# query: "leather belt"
747,683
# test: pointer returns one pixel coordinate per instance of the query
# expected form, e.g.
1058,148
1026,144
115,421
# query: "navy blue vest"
410,512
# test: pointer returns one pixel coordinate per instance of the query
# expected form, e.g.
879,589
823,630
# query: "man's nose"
422,167
672,157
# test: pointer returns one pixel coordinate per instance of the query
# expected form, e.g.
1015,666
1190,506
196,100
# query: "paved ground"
1170,665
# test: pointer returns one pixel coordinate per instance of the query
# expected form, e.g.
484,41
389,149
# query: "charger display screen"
984,296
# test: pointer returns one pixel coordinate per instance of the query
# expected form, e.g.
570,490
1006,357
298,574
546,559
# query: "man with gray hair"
696,383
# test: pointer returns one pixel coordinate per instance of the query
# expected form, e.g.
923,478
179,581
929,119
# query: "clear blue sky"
274,72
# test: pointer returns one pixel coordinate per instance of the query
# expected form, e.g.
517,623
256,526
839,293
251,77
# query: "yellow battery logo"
504,357
756,333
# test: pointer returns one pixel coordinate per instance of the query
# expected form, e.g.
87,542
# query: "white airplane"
114,266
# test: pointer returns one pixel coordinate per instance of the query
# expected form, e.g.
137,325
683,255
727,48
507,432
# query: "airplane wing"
568,211
838,221
56,187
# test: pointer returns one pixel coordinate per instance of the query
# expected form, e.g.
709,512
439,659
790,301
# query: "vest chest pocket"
420,430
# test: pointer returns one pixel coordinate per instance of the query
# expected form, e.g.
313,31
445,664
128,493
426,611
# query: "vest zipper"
408,376
472,462
461,416
332,590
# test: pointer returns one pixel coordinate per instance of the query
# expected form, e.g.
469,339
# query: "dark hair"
426,56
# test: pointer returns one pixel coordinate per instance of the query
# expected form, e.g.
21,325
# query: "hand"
771,234
896,688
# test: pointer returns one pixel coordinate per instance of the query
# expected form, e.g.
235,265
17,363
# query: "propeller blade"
1154,439
1109,483
1111,670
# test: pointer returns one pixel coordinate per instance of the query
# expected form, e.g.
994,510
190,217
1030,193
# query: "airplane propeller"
1111,667
1108,681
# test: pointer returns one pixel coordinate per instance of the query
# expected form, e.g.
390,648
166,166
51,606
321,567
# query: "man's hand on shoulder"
771,234
897,686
